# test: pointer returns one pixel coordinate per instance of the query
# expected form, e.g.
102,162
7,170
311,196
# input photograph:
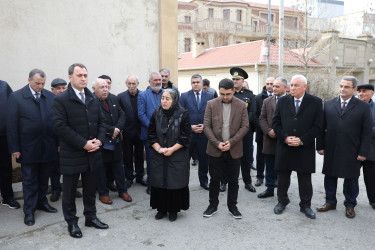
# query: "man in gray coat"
345,143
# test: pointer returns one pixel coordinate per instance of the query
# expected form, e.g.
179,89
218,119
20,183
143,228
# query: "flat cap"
58,81
366,86
238,73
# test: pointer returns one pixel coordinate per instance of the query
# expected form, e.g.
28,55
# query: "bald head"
100,88
269,83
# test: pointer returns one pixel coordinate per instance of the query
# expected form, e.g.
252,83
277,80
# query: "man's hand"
92,145
197,128
293,141
115,133
168,151
271,133
16,155
224,146
321,152
361,158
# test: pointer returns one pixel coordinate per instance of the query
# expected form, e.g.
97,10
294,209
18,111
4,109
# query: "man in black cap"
365,93
238,77
58,86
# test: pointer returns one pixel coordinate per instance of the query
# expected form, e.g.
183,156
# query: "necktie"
83,98
277,99
270,95
37,96
343,106
106,105
297,105
198,100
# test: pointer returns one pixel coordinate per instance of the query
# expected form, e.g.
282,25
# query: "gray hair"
196,76
283,80
71,67
301,77
352,79
166,71
152,74
173,94
37,71
136,78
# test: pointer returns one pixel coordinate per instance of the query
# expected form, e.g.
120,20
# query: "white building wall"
113,37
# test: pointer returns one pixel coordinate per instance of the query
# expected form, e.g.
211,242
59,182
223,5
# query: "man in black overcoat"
32,142
297,122
78,121
345,143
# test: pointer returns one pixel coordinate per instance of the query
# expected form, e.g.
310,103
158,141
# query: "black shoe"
129,183
74,231
205,186
112,186
223,187
279,208
160,215
258,182
266,194
148,190
47,208
211,210
172,217
29,219
250,187
96,223
194,163
78,194
54,197
236,214
11,203
308,212
142,182
253,166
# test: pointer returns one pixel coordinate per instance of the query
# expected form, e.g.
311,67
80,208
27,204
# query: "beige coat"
213,123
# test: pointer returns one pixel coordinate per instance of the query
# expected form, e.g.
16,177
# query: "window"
226,14
254,25
239,15
210,13
265,16
187,19
187,44
290,22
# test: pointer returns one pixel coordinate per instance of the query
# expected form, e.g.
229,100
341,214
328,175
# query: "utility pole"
268,38
281,39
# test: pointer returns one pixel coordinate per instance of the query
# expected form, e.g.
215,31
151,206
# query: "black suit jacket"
306,125
132,125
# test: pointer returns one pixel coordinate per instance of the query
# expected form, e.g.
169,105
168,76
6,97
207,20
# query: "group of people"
101,138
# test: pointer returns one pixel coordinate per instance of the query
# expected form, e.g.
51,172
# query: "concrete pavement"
132,225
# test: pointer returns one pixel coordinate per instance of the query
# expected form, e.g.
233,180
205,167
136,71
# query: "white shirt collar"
347,101
299,98
77,92
200,92
268,93
32,91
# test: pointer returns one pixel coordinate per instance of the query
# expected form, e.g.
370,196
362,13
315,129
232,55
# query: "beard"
155,88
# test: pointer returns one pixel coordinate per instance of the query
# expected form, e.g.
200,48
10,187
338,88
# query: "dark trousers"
260,160
218,167
369,178
55,177
351,190
304,187
270,171
251,145
5,170
193,154
247,158
133,149
200,145
118,172
35,185
69,196
148,162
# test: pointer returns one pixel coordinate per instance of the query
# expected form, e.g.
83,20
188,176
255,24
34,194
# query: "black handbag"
110,143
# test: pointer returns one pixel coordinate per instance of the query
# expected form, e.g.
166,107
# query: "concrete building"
354,24
113,37
225,22
319,8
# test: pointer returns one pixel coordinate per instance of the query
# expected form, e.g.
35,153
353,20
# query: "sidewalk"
132,225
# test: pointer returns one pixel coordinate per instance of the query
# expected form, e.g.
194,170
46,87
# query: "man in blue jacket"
32,141
195,101
148,101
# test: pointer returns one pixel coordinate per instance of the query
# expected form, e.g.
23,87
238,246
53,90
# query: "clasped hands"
293,141
92,145
224,146
197,128
165,151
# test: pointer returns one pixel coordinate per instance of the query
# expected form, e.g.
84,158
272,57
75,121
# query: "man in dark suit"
195,101
269,137
148,101
78,121
225,124
266,92
32,142
345,142
297,122
112,150
132,143
5,157
365,93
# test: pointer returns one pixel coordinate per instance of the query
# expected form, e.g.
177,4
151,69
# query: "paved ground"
132,225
